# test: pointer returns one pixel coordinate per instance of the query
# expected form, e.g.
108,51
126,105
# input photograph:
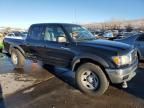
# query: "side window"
36,33
141,37
53,32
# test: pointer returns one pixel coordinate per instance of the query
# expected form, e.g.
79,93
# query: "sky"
23,13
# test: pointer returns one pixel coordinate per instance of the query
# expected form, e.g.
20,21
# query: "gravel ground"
39,87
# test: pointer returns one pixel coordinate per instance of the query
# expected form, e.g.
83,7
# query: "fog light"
125,77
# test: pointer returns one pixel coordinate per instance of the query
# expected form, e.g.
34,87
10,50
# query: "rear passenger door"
35,42
140,44
56,53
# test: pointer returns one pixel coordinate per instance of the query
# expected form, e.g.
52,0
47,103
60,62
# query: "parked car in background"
98,33
122,35
115,32
24,33
95,33
136,40
15,35
108,34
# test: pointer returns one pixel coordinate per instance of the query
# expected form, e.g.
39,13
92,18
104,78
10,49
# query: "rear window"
17,33
36,33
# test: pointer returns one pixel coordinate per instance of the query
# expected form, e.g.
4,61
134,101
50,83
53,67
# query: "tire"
85,76
17,59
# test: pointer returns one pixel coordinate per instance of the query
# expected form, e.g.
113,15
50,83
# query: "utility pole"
75,16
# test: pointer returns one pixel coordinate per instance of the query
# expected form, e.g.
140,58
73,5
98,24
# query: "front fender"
16,47
95,58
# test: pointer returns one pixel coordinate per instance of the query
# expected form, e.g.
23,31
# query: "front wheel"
91,79
17,58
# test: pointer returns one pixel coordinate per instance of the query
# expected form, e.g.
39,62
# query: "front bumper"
121,75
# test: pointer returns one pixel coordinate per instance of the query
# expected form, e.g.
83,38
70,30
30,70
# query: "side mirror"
62,39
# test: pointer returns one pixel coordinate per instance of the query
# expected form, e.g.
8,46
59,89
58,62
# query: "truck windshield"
17,34
79,33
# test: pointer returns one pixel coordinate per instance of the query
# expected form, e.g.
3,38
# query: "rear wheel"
91,79
17,58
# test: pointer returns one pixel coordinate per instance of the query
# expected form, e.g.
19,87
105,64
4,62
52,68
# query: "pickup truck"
96,63
15,35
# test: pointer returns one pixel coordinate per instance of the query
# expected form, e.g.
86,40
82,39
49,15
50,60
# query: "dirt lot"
36,86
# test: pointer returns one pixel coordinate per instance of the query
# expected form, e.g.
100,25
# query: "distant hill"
10,29
116,24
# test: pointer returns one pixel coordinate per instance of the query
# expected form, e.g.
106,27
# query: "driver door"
56,53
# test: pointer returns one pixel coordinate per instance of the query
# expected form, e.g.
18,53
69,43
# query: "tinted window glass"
53,32
36,33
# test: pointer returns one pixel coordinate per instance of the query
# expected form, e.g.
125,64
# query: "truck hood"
108,45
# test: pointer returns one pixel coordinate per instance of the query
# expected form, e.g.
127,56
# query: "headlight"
122,60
